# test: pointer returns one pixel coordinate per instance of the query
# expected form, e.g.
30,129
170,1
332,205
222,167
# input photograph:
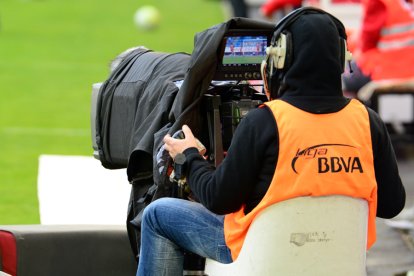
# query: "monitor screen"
241,53
244,49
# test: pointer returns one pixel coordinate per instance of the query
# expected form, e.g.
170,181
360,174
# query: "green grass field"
51,51
242,59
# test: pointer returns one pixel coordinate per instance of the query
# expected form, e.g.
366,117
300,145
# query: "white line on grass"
46,131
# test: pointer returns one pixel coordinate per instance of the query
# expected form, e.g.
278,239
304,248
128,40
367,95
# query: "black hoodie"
316,68
313,84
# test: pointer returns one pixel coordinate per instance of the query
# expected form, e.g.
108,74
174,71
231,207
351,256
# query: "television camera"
149,94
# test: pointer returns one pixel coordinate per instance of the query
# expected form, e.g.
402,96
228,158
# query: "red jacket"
386,40
271,6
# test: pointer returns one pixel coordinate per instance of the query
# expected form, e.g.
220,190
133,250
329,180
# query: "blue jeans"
171,225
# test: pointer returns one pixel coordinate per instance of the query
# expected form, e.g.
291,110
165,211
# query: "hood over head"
313,81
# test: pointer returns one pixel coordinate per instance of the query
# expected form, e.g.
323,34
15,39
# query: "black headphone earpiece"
279,54
346,55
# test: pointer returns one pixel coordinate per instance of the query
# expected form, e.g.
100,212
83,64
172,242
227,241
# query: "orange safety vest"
319,155
393,58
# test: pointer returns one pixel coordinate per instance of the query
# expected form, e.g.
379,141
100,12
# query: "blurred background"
51,52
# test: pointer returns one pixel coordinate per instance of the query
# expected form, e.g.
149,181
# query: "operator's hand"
175,146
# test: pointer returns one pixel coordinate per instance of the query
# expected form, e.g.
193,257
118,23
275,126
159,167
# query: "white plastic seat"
303,236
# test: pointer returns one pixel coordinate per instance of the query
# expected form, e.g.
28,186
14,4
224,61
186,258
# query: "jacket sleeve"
373,20
391,192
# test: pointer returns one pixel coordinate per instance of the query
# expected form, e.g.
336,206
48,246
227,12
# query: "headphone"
279,54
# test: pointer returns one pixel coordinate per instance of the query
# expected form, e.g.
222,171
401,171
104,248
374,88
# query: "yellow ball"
147,17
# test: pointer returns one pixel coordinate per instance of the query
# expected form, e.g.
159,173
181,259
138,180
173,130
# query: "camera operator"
291,146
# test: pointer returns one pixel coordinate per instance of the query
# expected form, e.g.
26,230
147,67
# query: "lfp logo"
327,163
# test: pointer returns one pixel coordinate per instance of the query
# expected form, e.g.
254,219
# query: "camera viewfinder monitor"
241,53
